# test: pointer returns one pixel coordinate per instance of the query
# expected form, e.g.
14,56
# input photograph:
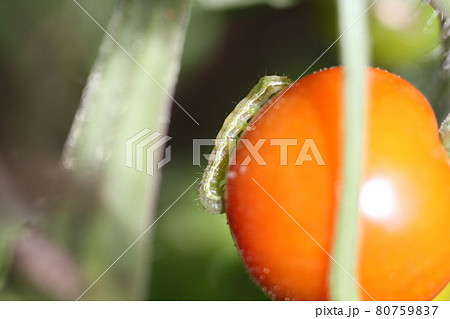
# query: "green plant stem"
123,97
355,58
442,6
444,133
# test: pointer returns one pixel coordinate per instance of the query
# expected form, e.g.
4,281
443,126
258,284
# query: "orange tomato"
404,217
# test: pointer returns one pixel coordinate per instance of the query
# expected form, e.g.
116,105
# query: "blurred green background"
55,240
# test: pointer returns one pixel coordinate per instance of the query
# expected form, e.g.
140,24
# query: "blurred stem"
15,217
444,132
442,6
355,58
122,98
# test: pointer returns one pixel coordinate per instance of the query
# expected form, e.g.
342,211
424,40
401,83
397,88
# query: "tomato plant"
282,211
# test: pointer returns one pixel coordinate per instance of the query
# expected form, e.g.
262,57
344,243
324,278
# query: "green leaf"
128,90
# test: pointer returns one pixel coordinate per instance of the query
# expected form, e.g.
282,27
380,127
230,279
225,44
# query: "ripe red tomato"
404,218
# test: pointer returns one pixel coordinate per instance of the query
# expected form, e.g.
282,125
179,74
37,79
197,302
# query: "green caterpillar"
212,185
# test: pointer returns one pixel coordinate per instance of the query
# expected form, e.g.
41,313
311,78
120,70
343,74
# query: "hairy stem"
443,6
444,132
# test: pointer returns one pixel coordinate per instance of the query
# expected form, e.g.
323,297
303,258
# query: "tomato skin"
403,251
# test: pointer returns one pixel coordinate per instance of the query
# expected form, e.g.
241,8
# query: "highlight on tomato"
282,214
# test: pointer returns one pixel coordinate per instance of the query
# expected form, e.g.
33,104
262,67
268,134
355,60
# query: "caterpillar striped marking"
212,185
